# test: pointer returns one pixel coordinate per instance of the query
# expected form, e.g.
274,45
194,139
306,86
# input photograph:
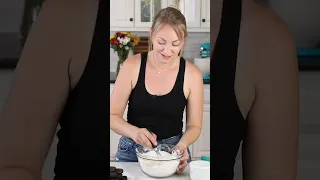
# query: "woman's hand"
145,137
184,158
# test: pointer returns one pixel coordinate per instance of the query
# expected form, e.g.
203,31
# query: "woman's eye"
175,44
161,43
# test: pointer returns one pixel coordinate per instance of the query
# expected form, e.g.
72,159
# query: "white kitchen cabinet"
200,148
205,13
122,13
190,9
207,94
114,139
146,10
137,15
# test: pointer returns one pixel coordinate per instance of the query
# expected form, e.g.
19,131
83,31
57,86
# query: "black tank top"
160,114
227,123
84,138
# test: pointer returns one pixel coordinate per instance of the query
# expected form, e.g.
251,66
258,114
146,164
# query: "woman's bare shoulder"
130,70
193,80
134,60
276,48
192,72
132,64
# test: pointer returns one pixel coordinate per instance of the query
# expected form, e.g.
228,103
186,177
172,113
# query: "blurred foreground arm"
38,92
270,150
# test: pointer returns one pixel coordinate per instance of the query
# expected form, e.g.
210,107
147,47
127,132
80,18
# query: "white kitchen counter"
133,171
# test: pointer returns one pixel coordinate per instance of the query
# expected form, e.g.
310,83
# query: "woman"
62,75
254,95
159,85
62,78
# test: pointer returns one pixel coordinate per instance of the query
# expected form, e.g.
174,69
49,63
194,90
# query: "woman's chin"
166,59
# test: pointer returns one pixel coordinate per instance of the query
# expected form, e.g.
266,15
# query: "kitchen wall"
191,49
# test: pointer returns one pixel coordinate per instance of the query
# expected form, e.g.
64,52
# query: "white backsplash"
190,51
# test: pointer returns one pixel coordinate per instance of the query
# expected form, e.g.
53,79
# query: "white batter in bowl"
158,166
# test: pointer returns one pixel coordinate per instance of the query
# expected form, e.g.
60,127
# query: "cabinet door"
184,120
202,146
114,138
205,13
206,93
111,88
121,13
190,9
145,11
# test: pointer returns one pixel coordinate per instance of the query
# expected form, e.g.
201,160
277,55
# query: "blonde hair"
173,17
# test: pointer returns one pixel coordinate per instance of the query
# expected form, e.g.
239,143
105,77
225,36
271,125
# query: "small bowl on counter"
203,64
199,170
159,166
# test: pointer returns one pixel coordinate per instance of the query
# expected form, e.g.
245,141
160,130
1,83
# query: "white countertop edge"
133,171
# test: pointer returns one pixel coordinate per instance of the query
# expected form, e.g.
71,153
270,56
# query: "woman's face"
166,44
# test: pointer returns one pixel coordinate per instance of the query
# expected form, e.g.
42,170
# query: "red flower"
113,42
118,34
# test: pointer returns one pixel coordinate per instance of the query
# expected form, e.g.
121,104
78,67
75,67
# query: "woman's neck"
161,66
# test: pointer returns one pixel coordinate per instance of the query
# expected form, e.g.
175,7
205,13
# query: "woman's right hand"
144,138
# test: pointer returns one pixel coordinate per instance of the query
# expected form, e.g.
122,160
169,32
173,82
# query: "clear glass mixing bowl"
159,166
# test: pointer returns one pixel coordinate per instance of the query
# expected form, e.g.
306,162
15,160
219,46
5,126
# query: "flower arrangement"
122,42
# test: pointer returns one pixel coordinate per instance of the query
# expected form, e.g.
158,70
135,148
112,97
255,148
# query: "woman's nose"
167,50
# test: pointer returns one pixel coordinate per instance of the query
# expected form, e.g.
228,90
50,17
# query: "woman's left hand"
184,158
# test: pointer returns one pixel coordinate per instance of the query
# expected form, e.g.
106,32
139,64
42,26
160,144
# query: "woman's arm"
38,92
270,149
194,107
120,95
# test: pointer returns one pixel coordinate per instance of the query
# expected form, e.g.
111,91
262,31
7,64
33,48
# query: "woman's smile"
166,57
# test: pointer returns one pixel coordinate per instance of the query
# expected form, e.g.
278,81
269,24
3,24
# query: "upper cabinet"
137,15
124,16
190,9
205,13
146,10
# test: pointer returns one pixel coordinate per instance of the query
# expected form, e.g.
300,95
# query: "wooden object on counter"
142,46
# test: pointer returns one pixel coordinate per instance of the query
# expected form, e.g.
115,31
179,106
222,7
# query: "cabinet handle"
203,20
131,19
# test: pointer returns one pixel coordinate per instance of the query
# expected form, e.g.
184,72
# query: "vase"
122,55
130,53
